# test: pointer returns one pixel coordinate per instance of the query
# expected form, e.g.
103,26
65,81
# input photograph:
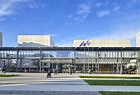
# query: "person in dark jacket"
3,69
49,74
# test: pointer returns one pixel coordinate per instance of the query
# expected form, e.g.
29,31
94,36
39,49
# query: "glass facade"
101,60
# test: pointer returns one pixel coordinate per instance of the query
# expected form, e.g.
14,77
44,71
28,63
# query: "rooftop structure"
35,41
138,39
101,43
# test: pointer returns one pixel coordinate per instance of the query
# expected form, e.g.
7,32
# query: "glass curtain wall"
86,60
8,59
29,60
103,61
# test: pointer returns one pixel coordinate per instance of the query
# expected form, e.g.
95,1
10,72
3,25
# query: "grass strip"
109,77
114,82
119,93
8,75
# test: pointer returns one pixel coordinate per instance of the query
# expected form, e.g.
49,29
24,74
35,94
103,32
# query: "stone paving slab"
48,92
60,82
42,87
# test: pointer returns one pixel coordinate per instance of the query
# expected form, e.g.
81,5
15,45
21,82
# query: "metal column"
117,65
40,65
17,61
20,64
98,61
121,63
85,61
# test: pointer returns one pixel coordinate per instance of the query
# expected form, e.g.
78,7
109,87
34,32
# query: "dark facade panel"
74,48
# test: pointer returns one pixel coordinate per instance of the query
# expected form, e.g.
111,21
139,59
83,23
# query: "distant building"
98,56
0,39
101,43
138,39
35,41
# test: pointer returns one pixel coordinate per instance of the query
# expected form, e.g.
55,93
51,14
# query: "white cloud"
33,5
9,7
102,13
116,9
83,10
5,8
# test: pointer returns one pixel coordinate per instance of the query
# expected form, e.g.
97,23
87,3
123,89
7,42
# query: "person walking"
49,74
3,69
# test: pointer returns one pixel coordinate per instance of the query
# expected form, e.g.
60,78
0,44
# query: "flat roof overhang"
73,48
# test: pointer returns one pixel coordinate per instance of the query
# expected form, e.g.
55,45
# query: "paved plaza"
60,84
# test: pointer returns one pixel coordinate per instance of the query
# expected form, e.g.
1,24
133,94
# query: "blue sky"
68,20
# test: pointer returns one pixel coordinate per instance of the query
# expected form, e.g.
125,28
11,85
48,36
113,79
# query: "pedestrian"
3,69
49,74
56,71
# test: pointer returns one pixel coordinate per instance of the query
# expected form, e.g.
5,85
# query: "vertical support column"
85,61
20,64
17,60
52,64
138,62
88,58
74,63
40,65
96,64
121,63
8,65
92,59
92,65
98,61
137,66
75,57
74,67
118,65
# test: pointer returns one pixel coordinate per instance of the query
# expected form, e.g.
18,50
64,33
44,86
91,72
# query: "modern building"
36,53
0,39
35,41
79,59
101,43
138,39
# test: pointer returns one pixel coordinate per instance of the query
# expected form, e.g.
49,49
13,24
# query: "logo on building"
84,43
